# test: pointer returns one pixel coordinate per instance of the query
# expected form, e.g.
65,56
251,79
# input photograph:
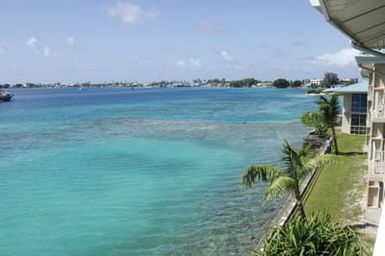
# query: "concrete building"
354,107
363,22
373,67
317,82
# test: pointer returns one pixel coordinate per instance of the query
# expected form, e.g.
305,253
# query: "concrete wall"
346,117
376,142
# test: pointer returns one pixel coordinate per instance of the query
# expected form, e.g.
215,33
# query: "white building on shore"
316,82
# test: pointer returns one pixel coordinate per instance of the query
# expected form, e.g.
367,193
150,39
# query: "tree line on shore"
241,83
315,86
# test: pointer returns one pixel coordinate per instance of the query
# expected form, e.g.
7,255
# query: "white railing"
377,164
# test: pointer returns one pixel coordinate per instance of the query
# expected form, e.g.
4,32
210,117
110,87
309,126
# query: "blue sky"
144,40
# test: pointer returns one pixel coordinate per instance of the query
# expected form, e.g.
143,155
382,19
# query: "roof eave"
322,6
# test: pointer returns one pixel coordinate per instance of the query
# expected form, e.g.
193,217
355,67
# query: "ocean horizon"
114,171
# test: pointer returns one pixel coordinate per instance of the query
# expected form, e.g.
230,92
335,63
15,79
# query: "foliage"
297,165
247,82
329,109
296,83
217,81
330,79
281,83
317,235
314,120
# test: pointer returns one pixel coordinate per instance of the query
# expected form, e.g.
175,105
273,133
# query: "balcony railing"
377,164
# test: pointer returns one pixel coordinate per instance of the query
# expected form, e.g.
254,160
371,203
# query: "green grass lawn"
339,187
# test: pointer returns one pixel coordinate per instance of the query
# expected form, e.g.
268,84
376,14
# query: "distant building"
315,82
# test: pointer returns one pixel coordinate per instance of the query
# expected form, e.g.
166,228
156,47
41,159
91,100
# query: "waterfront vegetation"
317,235
332,200
297,165
325,118
332,204
329,109
313,120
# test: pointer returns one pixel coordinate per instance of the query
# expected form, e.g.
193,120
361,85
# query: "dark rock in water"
313,141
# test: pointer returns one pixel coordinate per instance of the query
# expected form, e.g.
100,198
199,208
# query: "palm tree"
314,120
297,165
329,108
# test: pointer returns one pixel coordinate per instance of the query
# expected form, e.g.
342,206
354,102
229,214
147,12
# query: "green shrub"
317,235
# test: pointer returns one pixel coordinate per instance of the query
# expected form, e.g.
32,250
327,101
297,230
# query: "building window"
358,124
359,103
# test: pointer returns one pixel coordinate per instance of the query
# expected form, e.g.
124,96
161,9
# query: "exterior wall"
347,113
376,143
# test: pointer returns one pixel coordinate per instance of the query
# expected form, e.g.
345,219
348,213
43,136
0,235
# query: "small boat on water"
5,96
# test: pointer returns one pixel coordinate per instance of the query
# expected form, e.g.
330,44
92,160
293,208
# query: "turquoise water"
139,172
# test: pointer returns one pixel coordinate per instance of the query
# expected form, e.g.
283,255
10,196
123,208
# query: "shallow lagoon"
139,172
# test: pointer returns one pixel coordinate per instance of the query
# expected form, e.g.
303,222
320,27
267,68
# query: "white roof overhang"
366,63
361,20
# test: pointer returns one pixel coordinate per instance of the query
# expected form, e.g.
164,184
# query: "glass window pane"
358,124
359,103
355,120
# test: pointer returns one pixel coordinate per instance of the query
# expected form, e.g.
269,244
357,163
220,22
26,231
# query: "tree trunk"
301,210
335,140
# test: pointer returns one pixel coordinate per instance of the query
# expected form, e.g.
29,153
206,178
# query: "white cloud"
47,52
70,41
225,56
207,27
195,62
190,63
341,58
31,42
130,13
181,63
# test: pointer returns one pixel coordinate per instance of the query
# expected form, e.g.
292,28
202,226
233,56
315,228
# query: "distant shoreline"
147,87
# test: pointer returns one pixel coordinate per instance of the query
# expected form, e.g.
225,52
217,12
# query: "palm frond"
329,108
321,161
279,187
264,173
311,118
321,100
291,159
304,152
305,170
